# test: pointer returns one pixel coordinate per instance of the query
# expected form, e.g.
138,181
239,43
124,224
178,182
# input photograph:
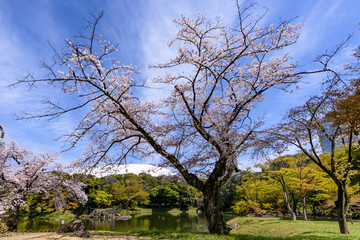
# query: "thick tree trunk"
13,219
304,207
342,206
212,210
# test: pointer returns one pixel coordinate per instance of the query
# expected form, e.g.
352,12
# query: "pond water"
156,220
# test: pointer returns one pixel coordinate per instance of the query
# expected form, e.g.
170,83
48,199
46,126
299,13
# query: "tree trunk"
304,207
294,203
342,206
286,196
292,213
13,219
212,210
314,210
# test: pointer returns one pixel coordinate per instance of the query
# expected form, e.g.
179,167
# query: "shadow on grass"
208,236
326,219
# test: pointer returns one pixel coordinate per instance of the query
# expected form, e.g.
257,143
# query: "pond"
152,220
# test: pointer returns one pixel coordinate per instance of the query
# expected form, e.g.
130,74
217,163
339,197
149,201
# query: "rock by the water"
82,234
124,218
107,213
103,213
233,226
77,227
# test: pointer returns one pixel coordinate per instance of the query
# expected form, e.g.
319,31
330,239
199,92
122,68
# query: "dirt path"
55,236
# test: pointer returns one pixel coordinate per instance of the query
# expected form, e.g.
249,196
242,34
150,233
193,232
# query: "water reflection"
183,222
39,225
157,220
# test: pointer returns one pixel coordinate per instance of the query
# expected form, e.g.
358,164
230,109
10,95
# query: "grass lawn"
252,228
57,215
277,228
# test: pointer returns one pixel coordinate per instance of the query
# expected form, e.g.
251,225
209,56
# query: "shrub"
3,228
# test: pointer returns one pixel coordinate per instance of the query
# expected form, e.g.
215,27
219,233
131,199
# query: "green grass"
137,211
173,235
177,211
270,228
193,236
252,228
55,215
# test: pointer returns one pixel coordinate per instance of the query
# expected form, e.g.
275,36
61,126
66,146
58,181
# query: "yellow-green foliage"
130,192
103,198
257,194
3,228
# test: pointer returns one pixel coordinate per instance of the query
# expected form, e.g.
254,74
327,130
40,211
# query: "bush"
3,228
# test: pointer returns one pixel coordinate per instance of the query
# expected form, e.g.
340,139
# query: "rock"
74,226
82,234
124,218
233,226
77,227
103,213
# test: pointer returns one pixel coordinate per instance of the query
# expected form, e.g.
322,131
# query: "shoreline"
67,236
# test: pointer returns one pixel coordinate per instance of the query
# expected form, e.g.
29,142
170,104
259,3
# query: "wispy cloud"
142,29
158,28
24,44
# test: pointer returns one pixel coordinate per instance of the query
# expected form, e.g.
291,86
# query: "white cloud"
154,171
143,29
24,44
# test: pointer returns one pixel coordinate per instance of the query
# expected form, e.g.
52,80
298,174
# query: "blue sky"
142,30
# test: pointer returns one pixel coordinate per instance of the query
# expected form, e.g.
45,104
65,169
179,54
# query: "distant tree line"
126,191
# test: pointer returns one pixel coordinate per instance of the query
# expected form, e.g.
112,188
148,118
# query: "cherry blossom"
23,173
219,74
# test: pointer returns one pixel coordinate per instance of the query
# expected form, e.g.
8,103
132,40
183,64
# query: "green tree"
303,126
149,181
130,192
228,190
256,194
165,195
333,117
38,203
297,178
101,198
188,195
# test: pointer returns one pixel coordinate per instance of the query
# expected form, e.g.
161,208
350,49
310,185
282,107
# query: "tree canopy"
202,124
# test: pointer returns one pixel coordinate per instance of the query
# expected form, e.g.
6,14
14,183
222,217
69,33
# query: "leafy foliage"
3,228
130,192
257,194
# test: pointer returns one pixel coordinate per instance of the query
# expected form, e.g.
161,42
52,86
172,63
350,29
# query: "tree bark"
342,206
304,207
292,213
294,202
212,210
286,197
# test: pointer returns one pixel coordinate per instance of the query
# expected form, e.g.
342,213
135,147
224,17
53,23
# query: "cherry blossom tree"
205,122
23,173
